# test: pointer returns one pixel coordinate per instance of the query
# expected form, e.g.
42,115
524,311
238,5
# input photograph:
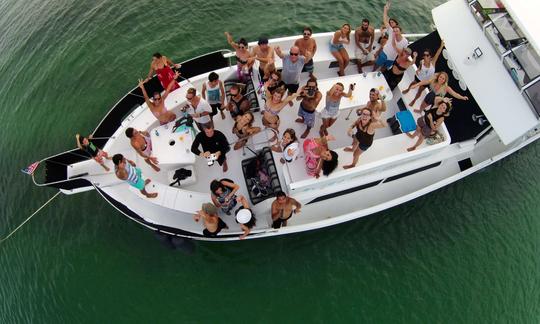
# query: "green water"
466,253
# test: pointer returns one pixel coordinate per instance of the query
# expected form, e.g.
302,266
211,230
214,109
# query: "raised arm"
145,95
278,51
439,50
234,188
455,94
385,15
231,41
421,83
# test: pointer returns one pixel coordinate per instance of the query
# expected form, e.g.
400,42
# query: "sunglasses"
157,98
427,54
293,54
364,114
241,47
307,34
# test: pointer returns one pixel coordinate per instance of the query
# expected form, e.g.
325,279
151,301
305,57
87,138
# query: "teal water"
466,253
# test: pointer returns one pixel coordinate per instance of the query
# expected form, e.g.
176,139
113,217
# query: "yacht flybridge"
491,55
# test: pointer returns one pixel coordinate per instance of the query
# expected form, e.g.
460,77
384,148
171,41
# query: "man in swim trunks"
310,96
265,55
307,44
212,223
293,63
157,106
374,104
141,142
126,170
364,37
283,208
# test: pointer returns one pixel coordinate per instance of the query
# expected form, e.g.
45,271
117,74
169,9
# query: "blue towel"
406,121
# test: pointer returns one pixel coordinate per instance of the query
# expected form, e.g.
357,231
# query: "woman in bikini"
161,65
318,157
365,126
331,109
431,121
243,128
394,75
244,59
273,107
438,86
157,105
425,71
337,47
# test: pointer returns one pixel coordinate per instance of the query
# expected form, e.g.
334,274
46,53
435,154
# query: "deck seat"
268,164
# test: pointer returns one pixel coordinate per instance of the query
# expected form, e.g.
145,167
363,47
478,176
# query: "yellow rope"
16,229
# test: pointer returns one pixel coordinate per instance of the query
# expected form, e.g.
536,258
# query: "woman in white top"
337,47
425,71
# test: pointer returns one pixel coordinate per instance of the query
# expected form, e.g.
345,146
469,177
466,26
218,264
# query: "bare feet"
405,92
348,166
151,195
155,167
410,135
348,149
225,166
412,103
417,110
147,181
410,149
282,160
106,167
239,145
305,133
300,120
222,115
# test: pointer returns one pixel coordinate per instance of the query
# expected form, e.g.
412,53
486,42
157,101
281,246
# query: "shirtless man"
265,55
283,208
142,144
310,96
307,44
364,36
157,106
127,170
374,104
212,223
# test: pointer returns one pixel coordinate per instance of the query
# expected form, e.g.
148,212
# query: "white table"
360,95
172,148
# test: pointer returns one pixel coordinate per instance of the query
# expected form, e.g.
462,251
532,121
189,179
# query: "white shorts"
363,58
329,114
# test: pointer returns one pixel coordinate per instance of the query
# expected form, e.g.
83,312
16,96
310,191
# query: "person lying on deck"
157,105
141,142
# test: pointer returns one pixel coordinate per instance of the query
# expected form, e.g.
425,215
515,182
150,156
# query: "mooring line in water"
16,229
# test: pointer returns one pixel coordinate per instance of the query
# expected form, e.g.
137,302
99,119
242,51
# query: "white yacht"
491,55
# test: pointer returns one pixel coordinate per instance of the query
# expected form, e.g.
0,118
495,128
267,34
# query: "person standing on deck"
213,142
198,108
161,65
283,208
310,96
212,222
214,92
127,170
365,132
392,48
264,53
364,37
293,63
141,142
306,44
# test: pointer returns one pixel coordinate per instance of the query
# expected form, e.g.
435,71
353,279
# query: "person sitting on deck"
244,216
212,222
127,170
310,96
223,193
157,106
214,146
425,71
307,44
214,92
161,65
391,49
394,74
141,142
365,125
341,38
265,55
244,129
375,104
283,208
433,118
244,60
293,63
319,157
438,86
85,144
238,103
331,109
198,108
364,37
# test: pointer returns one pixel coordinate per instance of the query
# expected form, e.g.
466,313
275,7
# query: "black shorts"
221,225
278,222
292,88
215,108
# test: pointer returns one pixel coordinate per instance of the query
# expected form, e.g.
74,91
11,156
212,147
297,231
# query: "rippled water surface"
466,253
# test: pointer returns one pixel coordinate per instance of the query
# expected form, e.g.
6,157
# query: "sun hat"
243,215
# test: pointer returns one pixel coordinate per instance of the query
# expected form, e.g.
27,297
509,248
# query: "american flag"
31,168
